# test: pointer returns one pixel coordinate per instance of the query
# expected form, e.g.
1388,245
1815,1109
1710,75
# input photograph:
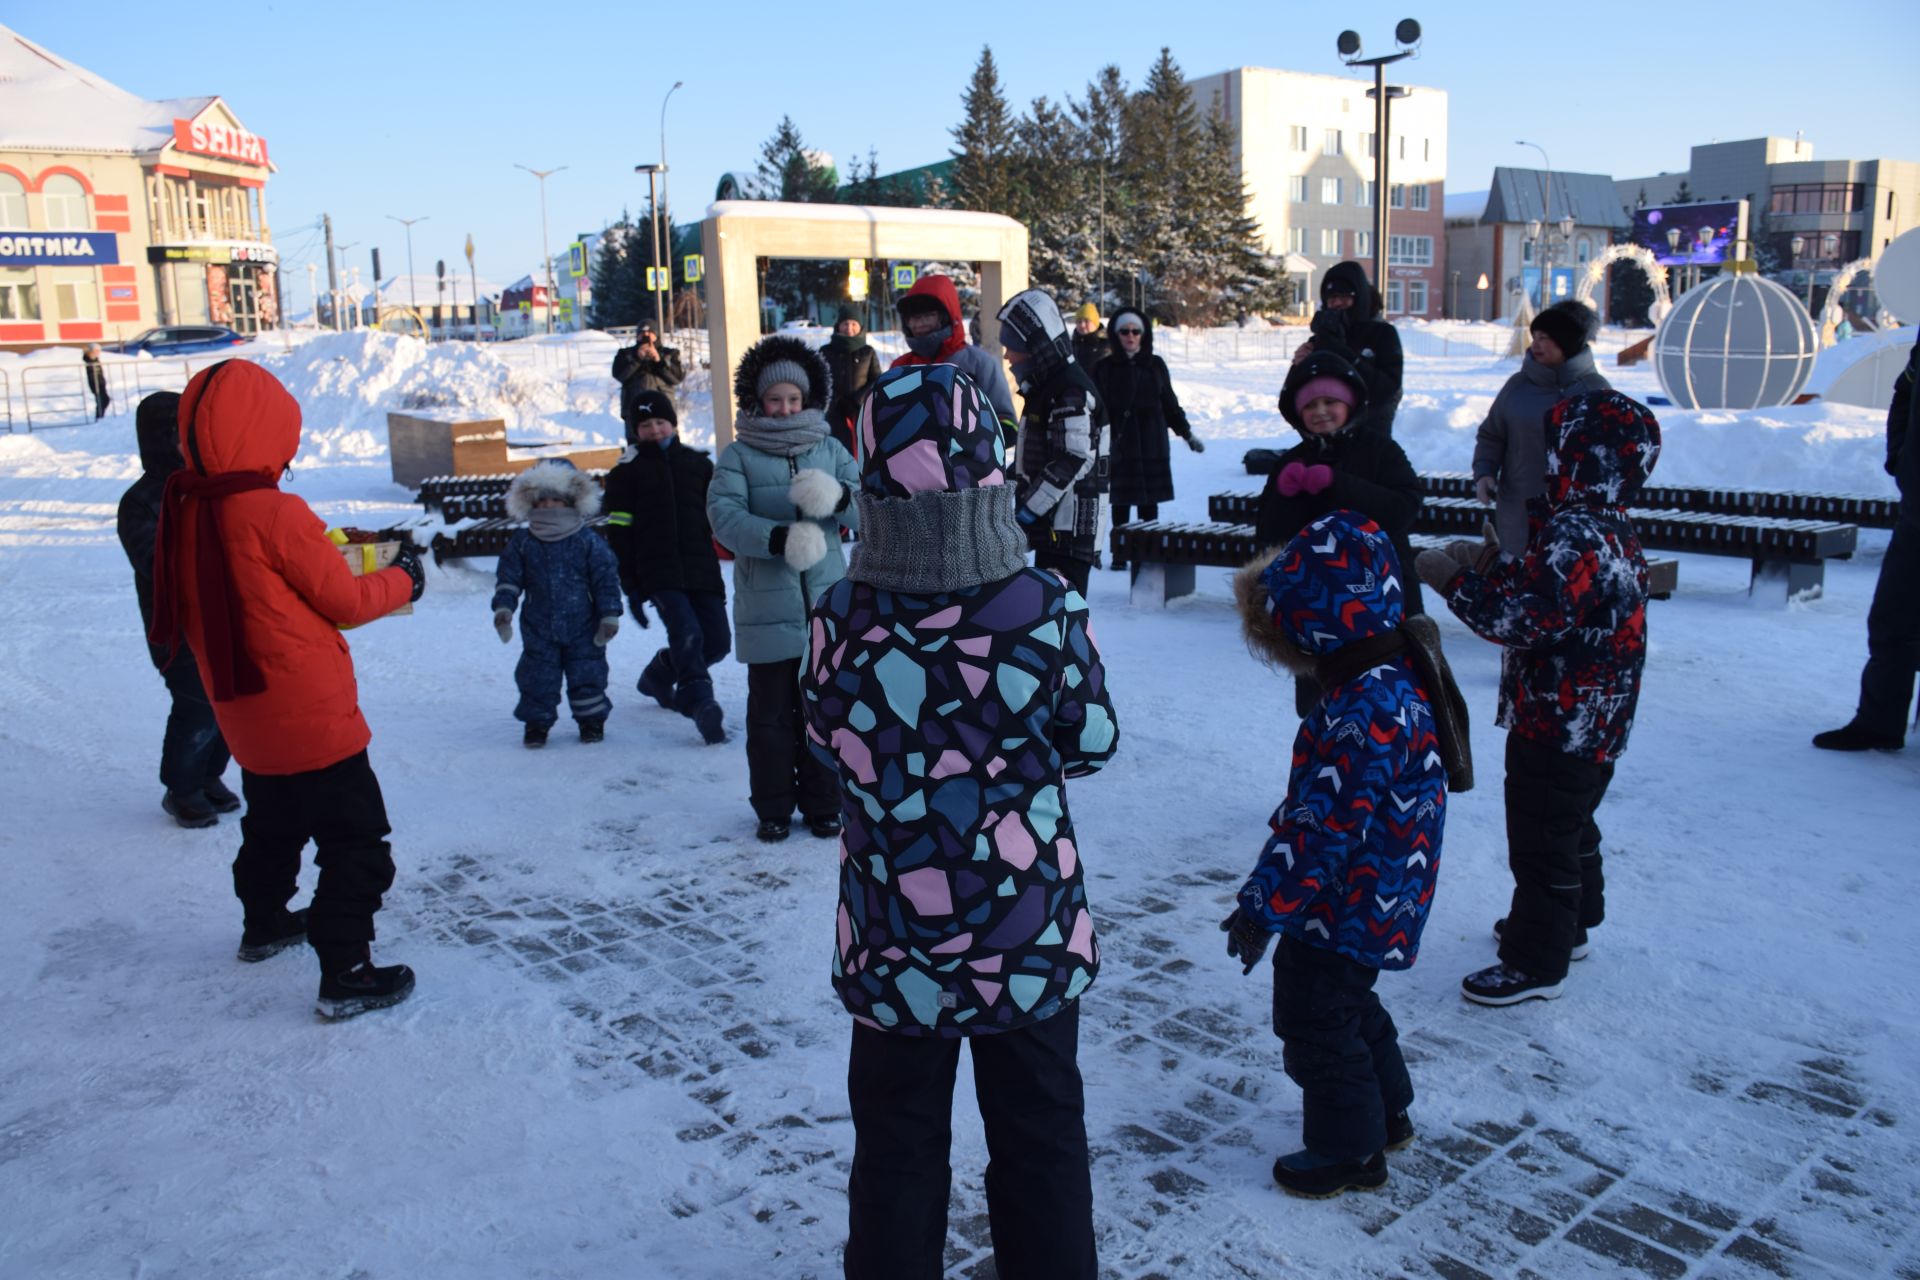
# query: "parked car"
181,340
803,327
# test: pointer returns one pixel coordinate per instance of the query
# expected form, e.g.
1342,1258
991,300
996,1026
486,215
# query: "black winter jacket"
657,521
156,425
1359,336
1141,408
854,368
1089,349
1903,434
635,375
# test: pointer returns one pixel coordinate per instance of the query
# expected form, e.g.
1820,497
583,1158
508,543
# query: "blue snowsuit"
569,586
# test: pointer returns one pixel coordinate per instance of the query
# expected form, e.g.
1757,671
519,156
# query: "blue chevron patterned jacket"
1354,854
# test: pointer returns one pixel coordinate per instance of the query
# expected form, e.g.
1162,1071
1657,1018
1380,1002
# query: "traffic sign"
693,267
903,277
577,259
856,278
653,280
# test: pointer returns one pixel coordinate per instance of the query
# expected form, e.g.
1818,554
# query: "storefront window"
13,202
65,201
19,300
74,295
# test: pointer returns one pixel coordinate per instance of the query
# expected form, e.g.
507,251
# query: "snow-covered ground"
624,1058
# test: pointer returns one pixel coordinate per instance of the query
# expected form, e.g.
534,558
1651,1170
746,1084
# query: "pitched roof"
50,104
1517,195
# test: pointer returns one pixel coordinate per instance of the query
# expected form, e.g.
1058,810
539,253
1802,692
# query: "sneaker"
656,686
219,796
1582,948
1854,736
1399,1131
189,808
593,731
362,989
711,721
289,931
1318,1178
773,830
1500,985
826,828
535,736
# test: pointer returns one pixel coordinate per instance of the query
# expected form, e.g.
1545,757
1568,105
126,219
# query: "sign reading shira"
207,138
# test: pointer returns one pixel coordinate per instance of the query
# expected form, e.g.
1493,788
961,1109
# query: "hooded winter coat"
1060,458
1354,856
747,501
1572,610
569,584
1371,473
976,362
290,584
1512,442
954,714
1141,408
1361,337
636,373
156,424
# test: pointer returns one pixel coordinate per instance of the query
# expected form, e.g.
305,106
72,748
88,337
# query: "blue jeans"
697,637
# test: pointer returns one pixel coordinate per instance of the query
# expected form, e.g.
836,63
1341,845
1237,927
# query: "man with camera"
1348,325
645,366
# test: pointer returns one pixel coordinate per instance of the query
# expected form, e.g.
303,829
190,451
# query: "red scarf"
225,666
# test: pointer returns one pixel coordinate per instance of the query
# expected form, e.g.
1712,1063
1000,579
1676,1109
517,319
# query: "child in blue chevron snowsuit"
571,586
1348,874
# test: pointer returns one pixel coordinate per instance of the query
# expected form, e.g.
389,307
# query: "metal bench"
487,538
1165,553
436,491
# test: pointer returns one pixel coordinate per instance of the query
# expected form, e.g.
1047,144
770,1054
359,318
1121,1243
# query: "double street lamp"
1407,35
1799,244
545,254
1541,233
413,299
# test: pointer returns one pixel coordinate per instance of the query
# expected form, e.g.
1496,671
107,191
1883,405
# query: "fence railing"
57,395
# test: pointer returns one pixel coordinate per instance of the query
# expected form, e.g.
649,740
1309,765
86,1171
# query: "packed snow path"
624,1057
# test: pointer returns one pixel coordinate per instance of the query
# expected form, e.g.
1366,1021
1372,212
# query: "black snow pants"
192,752
1893,630
1339,1044
1553,848
781,771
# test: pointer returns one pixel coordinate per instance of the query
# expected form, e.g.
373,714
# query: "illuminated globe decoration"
1737,342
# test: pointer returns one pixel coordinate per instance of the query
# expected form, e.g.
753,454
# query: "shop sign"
62,249
219,254
206,138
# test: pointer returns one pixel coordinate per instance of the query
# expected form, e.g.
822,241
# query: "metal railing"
57,395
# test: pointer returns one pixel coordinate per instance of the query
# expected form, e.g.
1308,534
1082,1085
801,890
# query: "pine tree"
983,166
1101,118
789,171
1219,270
1161,130
1055,176
609,268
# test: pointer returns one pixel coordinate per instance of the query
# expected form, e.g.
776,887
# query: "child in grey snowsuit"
571,583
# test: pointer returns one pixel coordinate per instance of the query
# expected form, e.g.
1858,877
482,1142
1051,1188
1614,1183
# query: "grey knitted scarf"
938,540
783,437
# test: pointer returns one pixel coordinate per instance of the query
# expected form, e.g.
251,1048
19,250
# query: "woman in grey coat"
780,495
1510,453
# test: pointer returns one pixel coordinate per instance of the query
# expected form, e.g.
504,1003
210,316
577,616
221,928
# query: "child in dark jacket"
1348,875
1572,613
657,525
571,581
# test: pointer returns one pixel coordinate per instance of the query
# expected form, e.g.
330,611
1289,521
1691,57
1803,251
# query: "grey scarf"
938,540
550,524
785,437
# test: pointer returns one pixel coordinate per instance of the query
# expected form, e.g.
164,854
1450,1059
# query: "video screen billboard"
1682,235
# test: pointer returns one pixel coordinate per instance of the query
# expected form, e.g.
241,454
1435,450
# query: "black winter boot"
535,736
773,829
1854,736
593,731
1318,1178
362,988
825,828
1399,1131
220,796
189,808
711,722
290,930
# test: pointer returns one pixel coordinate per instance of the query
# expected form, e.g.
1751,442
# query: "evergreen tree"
983,168
609,266
1160,131
1101,118
1055,176
1219,269
789,171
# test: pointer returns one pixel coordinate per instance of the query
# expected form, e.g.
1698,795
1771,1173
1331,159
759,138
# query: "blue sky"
423,108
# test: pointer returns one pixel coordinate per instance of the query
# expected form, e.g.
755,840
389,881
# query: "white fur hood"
553,478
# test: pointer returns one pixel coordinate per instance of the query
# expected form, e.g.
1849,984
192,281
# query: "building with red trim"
118,214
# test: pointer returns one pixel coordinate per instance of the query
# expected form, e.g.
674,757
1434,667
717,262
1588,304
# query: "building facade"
1518,239
118,214
1305,147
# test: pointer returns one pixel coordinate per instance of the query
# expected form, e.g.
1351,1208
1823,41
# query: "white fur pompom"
806,544
814,493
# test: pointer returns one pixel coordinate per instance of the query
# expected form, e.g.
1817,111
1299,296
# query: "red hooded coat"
983,367
290,584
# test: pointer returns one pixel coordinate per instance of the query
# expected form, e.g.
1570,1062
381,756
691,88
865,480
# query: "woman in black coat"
1141,408
854,366
1338,464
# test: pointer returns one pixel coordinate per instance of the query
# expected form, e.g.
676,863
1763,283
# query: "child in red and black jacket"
1571,610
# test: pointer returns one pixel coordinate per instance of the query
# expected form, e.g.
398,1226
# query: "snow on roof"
426,287
1466,204
50,104
853,213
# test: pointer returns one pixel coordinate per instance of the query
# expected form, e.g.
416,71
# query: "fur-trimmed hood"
1265,640
553,478
776,347
1335,584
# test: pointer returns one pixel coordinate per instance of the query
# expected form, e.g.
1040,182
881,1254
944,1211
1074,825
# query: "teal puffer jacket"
746,502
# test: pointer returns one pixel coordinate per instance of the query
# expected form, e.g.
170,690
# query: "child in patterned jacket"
1348,874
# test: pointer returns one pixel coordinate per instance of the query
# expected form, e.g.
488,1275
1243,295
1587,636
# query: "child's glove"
608,629
1436,568
806,546
1195,443
1247,939
503,625
638,608
1316,478
1297,477
815,494
408,558
1486,489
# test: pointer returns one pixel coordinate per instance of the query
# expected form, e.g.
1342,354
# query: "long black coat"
1141,408
657,508
1089,349
635,374
1365,340
1371,475
854,368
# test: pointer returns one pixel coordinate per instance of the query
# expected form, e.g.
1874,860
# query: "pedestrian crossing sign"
693,268
903,277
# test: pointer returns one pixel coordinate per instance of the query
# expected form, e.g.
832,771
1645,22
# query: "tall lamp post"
1406,34
413,298
653,238
1799,243
665,206
545,254
1545,219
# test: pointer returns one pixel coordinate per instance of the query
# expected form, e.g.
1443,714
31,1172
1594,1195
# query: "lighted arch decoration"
1830,314
1649,267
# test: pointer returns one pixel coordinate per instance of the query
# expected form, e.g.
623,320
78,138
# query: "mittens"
806,546
1436,569
1297,477
503,624
609,628
815,494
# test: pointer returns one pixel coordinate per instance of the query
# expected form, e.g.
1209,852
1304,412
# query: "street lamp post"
413,299
1799,243
665,205
1546,219
546,254
653,239
1406,34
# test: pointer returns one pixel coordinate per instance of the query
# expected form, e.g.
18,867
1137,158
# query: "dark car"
181,340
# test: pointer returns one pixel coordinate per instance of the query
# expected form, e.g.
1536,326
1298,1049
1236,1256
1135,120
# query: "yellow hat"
1088,311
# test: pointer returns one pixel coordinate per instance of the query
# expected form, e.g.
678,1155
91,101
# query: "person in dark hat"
854,366
645,366
1349,325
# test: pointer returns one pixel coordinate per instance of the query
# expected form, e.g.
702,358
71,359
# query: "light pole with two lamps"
545,255
1406,34
413,299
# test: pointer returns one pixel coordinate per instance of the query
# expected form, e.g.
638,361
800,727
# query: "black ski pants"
1039,1187
1339,1044
1893,630
781,771
192,752
1553,848
340,809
